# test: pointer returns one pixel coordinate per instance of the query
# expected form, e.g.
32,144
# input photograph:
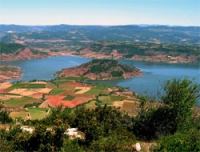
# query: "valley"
116,86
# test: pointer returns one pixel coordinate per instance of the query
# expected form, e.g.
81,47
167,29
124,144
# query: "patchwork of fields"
33,100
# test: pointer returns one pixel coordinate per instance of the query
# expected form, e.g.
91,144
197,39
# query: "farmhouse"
73,133
28,129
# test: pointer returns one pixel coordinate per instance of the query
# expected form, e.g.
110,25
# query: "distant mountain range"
126,33
65,27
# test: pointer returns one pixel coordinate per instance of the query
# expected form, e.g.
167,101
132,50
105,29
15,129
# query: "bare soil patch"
82,90
18,91
36,95
21,114
5,85
54,101
6,97
43,90
132,107
45,104
118,103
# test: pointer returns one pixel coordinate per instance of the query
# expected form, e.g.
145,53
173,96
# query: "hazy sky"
100,12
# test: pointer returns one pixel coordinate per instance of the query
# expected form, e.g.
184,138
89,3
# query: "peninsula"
9,73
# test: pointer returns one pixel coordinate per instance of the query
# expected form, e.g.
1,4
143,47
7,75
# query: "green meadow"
26,85
37,113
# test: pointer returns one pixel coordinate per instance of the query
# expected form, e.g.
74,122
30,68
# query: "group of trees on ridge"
106,128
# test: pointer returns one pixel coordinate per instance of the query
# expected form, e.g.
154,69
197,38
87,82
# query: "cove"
155,74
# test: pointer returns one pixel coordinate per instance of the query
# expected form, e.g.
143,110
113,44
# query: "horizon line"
102,25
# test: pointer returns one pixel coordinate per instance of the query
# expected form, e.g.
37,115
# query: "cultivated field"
31,100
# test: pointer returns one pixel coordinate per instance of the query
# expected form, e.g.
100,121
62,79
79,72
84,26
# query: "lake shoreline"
154,73
170,59
20,73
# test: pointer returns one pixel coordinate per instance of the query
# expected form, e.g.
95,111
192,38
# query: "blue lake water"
155,74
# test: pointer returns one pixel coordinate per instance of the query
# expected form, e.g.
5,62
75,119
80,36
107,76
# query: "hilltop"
101,69
15,51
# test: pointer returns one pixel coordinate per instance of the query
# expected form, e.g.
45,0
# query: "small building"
73,133
28,129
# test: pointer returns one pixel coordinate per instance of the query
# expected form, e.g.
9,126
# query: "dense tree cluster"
10,47
4,116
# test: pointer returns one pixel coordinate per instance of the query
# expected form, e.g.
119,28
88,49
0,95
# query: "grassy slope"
37,113
19,102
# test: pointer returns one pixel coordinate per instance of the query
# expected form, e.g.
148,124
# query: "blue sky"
100,12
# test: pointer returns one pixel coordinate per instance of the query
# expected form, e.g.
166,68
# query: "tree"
101,122
181,96
4,116
178,99
180,142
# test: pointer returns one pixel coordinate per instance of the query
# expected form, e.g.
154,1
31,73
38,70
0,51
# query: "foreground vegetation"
171,125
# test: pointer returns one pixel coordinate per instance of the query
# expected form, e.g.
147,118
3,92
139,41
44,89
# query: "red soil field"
56,101
36,95
4,91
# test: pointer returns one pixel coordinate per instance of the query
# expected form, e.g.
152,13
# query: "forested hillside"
9,48
15,51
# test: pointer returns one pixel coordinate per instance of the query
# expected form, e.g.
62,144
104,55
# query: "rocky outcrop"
101,69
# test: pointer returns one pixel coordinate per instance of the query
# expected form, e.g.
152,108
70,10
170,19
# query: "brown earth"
101,70
55,101
156,57
25,54
9,73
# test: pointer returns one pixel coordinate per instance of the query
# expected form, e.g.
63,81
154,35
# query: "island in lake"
101,69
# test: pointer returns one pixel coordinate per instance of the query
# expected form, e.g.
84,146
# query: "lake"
155,74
